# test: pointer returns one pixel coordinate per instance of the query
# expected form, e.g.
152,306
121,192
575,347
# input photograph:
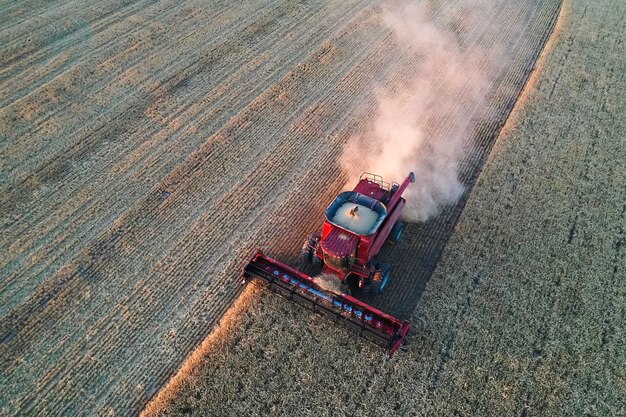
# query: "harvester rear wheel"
396,232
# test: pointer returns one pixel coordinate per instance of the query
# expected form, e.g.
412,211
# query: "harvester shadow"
413,261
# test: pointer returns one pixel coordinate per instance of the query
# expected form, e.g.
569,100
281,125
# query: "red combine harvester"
357,225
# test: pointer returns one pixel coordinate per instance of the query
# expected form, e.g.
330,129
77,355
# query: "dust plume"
422,124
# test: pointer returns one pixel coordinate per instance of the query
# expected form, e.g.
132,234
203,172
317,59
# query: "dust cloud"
422,124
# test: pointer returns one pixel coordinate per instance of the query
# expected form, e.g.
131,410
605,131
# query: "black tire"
395,235
378,287
345,288
385,271
374,288
307,254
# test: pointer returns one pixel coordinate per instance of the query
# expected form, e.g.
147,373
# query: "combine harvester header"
357,225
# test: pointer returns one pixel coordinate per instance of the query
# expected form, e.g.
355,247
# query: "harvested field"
525,312
148,147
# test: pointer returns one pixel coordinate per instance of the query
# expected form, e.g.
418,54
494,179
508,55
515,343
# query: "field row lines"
83,206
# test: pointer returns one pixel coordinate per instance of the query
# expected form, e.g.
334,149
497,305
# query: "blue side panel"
321,295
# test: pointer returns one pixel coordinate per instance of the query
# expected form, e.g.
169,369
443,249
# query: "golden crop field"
147,148
524,314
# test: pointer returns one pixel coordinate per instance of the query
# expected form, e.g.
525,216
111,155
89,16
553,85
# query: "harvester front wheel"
307,254
378,285
317,262
396,233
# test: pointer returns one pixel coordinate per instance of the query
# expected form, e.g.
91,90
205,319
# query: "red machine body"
347,248
349,254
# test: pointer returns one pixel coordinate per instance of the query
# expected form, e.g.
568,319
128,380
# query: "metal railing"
375,178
